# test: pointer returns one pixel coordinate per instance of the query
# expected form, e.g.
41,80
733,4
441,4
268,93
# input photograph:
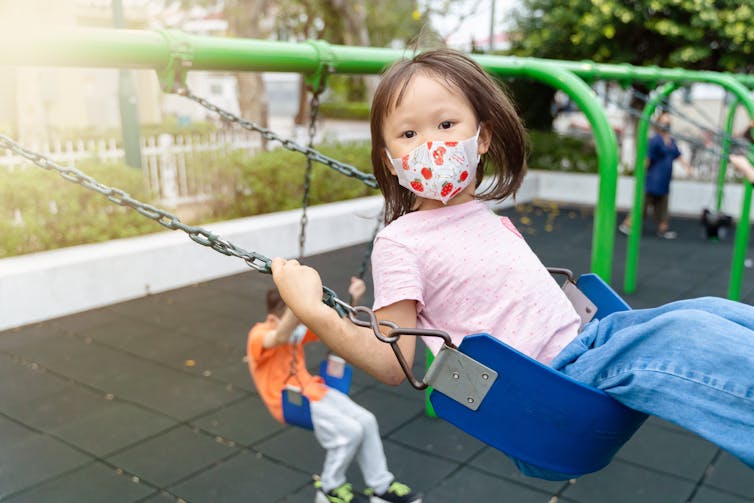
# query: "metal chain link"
313,112
718,133
677,135
119,197
204,237
356,315
370,246
316,156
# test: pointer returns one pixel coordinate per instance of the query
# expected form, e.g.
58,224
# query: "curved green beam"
741,93
174,53
724,151
603,233
640,176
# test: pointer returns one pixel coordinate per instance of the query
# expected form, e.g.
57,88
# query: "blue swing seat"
540,416
297,408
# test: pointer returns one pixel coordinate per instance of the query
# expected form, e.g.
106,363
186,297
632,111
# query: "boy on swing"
343,428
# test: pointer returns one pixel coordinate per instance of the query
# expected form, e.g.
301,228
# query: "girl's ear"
485,138
387,163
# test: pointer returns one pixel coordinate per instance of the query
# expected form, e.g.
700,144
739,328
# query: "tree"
351,22
693,34
246,20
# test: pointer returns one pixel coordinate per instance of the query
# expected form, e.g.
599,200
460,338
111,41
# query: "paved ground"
150,400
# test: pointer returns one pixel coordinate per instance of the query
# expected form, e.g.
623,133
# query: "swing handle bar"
364,317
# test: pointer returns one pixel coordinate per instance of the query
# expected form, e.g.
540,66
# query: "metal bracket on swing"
317,80
460,377
173,77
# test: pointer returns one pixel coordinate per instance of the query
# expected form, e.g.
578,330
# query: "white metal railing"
172,164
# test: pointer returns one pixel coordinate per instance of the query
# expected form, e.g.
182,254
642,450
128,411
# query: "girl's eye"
409,134
446,125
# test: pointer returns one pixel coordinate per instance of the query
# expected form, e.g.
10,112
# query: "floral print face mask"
438,169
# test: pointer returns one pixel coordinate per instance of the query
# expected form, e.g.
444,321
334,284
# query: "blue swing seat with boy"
536,414
296,407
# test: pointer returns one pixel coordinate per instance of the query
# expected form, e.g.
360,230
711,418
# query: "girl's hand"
300,286
356,289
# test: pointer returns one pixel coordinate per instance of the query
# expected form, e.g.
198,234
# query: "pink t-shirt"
471,271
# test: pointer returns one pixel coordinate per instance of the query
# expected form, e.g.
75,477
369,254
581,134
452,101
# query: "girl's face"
431,111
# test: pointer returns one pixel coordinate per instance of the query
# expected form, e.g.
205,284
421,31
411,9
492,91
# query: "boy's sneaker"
344,493
624,229
396,493
667,234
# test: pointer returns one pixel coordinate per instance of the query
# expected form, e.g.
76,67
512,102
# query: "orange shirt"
270,368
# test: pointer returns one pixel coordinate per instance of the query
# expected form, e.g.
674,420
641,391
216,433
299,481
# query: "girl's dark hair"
507,152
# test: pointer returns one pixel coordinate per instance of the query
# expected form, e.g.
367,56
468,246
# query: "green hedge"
56,213
553,152
350,111
274,181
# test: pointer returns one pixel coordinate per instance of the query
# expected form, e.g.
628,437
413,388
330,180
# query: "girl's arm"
301,289
742,164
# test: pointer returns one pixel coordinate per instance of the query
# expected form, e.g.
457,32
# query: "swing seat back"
296,408
602,295
539,415
336,373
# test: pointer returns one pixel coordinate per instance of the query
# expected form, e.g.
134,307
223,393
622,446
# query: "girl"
445,261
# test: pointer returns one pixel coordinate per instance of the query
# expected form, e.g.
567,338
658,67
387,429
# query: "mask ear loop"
476,141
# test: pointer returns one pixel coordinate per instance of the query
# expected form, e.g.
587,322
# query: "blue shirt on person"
661,156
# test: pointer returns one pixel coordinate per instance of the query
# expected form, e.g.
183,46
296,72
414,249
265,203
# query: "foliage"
349,110
694,34
554,152
273,181
533,100
389,21
54,213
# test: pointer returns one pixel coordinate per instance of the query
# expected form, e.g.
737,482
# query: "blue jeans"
690,362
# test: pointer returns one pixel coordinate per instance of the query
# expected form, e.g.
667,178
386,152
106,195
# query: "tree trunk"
355,32
246,20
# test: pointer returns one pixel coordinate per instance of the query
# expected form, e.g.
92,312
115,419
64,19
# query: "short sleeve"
676,151
255,344
396,275
309,337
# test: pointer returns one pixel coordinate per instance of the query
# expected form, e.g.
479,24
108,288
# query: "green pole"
640,176
129,111
724,153
743,225
603,233
174,55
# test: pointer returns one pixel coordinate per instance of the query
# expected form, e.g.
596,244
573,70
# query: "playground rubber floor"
150,400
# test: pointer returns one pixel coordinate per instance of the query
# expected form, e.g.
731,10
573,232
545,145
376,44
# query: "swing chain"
357,315
121,198
204,237
313,113
368,252
316,156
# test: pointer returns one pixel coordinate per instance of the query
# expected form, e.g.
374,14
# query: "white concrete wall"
46,285
687,198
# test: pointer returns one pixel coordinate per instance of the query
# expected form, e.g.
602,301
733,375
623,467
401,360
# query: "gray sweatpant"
347,430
